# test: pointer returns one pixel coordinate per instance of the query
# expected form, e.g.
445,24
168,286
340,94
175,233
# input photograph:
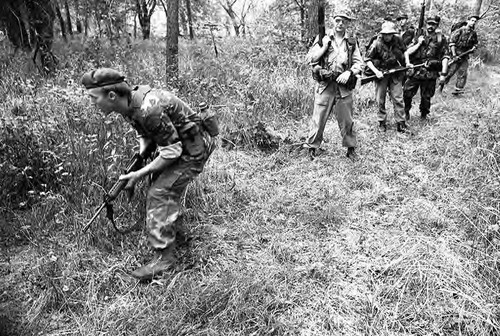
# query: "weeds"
404,242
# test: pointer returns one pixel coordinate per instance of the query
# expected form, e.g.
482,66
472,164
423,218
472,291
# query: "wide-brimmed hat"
343,14
473,16
388,28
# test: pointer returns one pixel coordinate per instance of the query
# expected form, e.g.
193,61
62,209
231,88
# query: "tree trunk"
302,23
312,26
79,25
172,47
86,24
61,22
477,7
135,26
144,14
146,29
42,17
68,17
234,19
190,19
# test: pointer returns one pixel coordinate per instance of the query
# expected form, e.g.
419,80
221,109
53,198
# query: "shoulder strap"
351,46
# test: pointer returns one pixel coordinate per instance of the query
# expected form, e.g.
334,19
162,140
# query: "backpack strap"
351,46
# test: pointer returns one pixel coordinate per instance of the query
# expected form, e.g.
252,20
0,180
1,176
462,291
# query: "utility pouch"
210,123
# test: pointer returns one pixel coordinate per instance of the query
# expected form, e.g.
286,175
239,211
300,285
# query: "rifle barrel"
86,227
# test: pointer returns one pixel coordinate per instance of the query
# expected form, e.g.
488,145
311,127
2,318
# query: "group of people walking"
183,139
428,59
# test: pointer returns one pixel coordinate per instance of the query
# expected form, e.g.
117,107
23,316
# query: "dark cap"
102,77
402,17
434,19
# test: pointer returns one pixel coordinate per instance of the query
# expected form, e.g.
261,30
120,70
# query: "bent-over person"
183,146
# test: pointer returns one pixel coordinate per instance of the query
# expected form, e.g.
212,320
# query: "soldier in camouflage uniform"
182,143
431,48
386,53
462,40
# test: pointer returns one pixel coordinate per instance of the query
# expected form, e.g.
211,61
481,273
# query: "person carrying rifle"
336,80
183,146
406,30
431,48
387,53
462,40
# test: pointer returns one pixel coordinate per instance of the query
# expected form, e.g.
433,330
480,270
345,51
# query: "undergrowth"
405,242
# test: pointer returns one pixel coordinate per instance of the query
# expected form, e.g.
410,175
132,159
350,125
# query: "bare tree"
301,4
145,9
238,21
61,21
171,8
68,17
189,19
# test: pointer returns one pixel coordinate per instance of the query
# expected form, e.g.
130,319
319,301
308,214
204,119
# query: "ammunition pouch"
192,139
351,82
210,123
434,65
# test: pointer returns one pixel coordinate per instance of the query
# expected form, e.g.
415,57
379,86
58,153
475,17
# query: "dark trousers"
427,90
460,68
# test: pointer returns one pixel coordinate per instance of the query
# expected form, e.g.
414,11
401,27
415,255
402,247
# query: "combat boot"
351,154
402,128
407,115
382,127
311,153
163,260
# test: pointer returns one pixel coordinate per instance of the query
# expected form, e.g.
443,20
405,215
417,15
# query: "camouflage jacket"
463,39
434,49
387,56
168,121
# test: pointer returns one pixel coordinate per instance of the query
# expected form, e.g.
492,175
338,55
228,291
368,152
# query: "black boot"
311,153
407,115
402,128
351,154
163,260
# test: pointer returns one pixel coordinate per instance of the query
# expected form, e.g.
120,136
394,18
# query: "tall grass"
405,242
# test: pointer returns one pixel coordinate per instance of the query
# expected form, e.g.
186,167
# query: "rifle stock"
134,164
365,80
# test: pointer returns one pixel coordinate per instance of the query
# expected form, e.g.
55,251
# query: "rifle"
455,60
388,73
134,164
421,22
321,22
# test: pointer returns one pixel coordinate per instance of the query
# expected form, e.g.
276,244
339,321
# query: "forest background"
404,242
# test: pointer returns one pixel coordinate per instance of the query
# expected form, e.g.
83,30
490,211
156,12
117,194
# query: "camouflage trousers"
459,68
325,102
427,90
164,195
393,86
